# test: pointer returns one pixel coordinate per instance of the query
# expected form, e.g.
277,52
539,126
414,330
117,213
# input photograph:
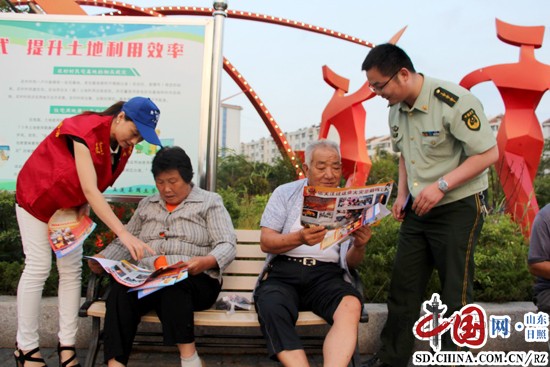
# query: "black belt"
305,261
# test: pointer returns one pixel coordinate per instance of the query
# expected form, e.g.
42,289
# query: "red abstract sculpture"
348,116
520,140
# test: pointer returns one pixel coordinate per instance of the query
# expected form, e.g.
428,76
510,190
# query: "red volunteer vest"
48,180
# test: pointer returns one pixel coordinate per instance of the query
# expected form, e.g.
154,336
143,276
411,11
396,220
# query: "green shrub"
500,257
10,239
245,210
375,270
10,272
9,276
252,208
231,202
501,262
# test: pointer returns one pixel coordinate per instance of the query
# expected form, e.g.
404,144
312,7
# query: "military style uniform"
445,126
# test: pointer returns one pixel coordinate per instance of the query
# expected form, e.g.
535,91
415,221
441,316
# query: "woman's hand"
84,210
136,246
199,264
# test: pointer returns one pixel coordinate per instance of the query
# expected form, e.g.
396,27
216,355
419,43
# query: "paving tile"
148,358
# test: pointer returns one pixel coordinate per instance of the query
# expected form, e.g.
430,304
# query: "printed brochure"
344,210
68,228
142,280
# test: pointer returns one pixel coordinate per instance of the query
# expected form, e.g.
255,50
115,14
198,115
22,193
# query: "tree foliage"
385,168
542,181
245,186
252,178
8,7
500,258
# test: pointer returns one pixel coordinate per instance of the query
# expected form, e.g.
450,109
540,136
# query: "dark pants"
291,287
542,301
174,306
443,239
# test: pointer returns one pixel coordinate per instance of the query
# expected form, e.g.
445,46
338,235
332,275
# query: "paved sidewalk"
147,358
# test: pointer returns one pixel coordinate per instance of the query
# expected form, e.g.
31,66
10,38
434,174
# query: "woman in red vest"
71,168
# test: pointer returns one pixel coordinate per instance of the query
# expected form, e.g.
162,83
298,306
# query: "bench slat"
244,267
217,317
250,252
248,235
242,283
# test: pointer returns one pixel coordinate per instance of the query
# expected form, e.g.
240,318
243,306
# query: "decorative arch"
264,113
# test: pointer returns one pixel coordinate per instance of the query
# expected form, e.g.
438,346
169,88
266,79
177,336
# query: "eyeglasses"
378,88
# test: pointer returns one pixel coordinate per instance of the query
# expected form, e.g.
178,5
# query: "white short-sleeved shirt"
331,254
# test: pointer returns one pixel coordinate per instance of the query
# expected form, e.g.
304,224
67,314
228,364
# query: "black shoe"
70,359
21,358
375,362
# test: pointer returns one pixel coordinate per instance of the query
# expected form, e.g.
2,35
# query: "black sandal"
72,358
22,358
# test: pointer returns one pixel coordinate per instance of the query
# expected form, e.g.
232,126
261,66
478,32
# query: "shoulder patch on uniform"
446,96
471,120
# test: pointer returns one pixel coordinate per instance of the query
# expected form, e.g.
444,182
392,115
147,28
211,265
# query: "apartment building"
230,129
265,150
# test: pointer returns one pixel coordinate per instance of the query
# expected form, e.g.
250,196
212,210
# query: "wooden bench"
239,278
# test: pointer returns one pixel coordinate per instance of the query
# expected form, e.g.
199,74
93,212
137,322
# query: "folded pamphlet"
68,228
343,210
143,280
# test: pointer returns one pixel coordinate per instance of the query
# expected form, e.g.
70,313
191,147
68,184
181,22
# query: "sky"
445,40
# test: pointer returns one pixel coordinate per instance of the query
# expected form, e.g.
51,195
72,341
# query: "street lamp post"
219,15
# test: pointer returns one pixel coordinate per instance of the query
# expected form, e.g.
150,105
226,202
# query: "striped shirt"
199,226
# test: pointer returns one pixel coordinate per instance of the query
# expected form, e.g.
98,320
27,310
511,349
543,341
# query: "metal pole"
215,95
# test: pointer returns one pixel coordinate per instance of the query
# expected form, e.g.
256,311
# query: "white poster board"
53,67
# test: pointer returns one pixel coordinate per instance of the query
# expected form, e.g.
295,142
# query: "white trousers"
38,261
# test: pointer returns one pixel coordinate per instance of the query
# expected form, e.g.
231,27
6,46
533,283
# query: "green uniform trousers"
443,239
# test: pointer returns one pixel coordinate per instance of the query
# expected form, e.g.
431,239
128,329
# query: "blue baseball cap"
145,114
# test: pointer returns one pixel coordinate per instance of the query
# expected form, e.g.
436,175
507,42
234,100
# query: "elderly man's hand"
362,236
313,235
95,266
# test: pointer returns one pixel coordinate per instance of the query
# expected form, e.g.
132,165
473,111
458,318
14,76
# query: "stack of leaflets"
344,210
68,228
142,280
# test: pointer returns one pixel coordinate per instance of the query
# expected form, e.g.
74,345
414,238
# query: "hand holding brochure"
344,210
143,280
369,216
68,228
